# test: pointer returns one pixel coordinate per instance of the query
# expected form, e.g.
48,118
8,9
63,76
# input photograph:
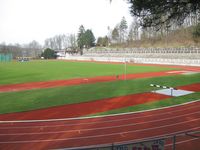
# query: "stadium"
134,85
91,104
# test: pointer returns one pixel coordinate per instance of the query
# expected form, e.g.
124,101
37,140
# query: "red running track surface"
71,133
192,87
86,108
77,81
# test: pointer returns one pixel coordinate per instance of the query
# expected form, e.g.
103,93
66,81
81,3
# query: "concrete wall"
181,56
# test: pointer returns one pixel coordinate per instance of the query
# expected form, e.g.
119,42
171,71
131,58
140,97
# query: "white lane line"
164,136
100,122
101,116
102,135
90,123
100,128
127,142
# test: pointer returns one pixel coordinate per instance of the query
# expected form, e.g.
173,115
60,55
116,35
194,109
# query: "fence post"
112,148
171,91
174,143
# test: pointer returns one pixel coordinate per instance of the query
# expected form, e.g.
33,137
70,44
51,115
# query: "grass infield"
44,98
33,71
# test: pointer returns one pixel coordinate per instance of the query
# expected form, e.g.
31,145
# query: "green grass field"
17,72
20,72
43,98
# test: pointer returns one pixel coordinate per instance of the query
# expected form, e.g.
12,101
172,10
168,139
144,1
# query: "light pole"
125,69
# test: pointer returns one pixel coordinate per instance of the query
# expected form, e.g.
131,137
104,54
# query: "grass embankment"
33,71
43,98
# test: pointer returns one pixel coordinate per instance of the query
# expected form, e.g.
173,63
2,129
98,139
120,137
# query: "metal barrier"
168,142
5,57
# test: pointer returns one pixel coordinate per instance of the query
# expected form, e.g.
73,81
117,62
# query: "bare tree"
134,30
61,41
72,41
35,48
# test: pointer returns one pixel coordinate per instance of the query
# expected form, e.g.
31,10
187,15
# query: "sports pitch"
35,71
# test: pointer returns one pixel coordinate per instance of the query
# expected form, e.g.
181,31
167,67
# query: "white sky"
22,21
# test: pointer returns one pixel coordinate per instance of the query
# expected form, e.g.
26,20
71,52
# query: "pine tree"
48,54
115,34
81,39
122,28
89,39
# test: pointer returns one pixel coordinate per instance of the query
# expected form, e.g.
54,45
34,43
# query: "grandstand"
176,56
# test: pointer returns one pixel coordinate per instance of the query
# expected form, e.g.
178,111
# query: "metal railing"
169,140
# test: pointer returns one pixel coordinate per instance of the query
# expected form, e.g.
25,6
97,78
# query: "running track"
71,133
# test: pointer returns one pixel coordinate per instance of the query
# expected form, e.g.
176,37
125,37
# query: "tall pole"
125,68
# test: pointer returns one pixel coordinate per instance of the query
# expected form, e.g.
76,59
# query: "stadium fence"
168,142
5,57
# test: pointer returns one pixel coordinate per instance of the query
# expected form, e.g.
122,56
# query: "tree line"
84,39
158,18
32,49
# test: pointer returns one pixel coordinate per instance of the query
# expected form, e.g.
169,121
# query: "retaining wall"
176,56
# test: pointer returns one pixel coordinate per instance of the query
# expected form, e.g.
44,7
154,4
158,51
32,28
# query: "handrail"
112,145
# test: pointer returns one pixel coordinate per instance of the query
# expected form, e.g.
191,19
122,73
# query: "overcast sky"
22,21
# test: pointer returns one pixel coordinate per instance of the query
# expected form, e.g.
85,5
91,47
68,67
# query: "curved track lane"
69,133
